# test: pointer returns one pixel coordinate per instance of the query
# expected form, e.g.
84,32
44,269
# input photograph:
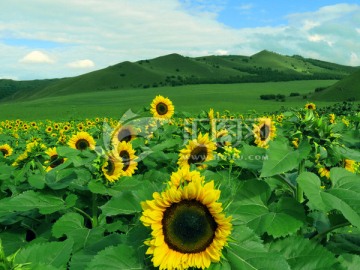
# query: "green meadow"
239,98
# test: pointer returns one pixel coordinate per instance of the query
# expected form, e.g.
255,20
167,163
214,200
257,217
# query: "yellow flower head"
197,151
189,227
81,141
162,107
264,132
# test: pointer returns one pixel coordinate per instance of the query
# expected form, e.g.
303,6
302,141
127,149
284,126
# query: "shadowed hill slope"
174,70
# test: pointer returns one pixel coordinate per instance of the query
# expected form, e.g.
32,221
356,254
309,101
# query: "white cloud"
221,52
358,30
36,57
245,6
354,59
86,63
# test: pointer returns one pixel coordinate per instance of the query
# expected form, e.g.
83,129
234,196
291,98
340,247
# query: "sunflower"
189,228
310,106
264,132
54,160
197,151
6,150
127,156
332,118
81,141
324,172
162,107
112,168
349,165
183,175
123,134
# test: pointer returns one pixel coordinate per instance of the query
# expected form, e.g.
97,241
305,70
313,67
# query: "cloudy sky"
52,39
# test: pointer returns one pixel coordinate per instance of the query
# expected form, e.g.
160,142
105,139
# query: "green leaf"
310,183
37,181
281,159
124,204
278,219
247,252
252,157
302,253
59,179
346,242
72,225
56,254
349,261
119,257
304,149
29,200
348,153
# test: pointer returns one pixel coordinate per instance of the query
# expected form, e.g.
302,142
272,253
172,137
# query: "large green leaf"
252,157
252,208
113,258
72,225
248,252
125,203
343,196
56,254
29,200
302,253
281,159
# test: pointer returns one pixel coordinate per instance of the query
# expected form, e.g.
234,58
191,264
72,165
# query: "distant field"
234,97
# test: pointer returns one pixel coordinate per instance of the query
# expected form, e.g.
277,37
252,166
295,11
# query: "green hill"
175,70
347,89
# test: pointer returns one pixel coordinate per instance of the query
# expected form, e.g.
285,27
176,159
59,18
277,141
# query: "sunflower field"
162,189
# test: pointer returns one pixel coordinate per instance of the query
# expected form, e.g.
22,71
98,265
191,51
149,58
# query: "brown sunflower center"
162,108
125,156
110,168
188,226
4,151
124,135
198,154
55,161
82,144
264,132
310,107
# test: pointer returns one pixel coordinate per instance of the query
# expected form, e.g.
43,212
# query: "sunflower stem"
94,219
83,213
320,235
299,191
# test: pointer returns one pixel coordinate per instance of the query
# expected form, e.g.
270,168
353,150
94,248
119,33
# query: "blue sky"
52,39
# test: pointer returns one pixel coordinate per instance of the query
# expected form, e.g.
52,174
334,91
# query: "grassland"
240,98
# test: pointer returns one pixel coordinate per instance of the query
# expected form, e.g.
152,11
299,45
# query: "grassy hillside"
175,70
242,97
347,89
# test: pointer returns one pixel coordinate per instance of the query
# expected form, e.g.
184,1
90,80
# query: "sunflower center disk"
161,108
4,151
125,156
124,135
82,144
198,155
264,132
110,168
188,226
55,161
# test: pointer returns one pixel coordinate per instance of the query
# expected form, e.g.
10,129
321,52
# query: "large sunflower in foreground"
264,132
162,107
81,141
197,151
112,168
189,228
6,150
127,158
54,159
